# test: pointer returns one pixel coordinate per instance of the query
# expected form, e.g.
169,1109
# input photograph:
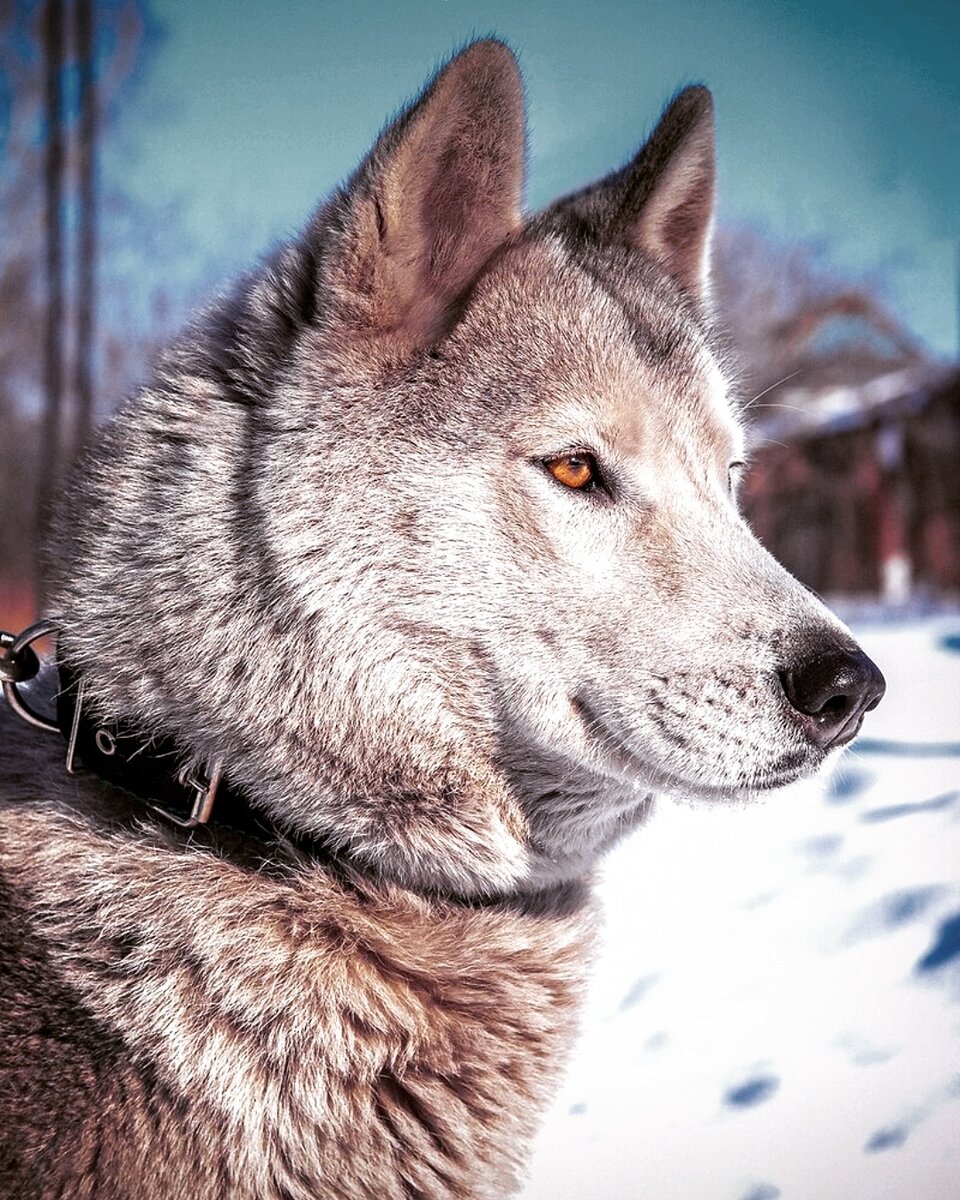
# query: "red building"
863,496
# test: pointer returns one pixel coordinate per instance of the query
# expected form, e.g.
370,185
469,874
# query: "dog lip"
778,781
654,775
737,791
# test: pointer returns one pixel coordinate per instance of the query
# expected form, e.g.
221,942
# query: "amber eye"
578,471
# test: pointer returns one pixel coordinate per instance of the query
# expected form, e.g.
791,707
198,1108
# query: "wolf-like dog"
426,540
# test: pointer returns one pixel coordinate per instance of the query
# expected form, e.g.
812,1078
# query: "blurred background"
775,1012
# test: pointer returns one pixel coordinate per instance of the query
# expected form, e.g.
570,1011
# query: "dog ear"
662,201
439,193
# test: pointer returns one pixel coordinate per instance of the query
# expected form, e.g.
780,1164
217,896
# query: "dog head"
446,498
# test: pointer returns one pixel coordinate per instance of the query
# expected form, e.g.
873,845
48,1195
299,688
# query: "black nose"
832,690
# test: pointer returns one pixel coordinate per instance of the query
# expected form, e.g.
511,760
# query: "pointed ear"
662,201
439,193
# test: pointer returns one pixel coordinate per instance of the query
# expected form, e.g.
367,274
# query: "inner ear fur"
439,193
662,201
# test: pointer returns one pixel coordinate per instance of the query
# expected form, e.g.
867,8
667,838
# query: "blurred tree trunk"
86,281
71,341
53,49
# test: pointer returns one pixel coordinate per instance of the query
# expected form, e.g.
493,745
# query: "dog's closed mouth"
613,749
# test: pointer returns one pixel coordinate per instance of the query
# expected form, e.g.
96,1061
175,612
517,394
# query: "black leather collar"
151,769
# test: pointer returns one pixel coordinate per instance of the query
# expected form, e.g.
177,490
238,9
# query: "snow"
776,1010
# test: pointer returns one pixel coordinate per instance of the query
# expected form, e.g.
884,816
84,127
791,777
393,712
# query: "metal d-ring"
14,649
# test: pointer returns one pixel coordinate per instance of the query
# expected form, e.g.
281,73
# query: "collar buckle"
110,746
205,795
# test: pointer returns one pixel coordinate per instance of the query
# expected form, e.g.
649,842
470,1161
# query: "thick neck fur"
281,1033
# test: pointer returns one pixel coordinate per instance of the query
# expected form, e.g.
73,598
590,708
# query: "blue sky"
835,121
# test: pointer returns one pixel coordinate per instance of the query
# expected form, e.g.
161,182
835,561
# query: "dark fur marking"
654,346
